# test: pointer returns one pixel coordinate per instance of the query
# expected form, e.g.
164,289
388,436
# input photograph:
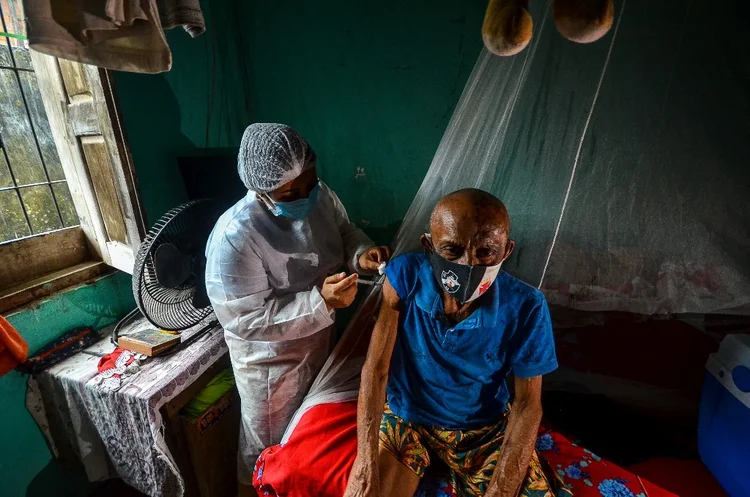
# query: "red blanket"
319,455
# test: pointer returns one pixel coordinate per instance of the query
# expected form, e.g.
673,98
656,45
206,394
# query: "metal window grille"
57,207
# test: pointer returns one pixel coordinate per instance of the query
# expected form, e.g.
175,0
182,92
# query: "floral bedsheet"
584,473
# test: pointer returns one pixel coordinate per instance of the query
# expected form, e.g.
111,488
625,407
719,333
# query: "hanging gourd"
583,21
508,25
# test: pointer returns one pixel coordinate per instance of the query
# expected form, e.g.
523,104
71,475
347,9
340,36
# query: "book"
149,342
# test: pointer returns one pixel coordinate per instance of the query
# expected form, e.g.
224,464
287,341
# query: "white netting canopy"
625,166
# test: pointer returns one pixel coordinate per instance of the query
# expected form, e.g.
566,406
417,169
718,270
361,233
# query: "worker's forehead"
300,181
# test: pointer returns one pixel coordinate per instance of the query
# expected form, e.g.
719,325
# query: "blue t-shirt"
453,376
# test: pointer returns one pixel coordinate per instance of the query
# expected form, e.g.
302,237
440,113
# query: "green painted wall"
199,106
371,85
26,466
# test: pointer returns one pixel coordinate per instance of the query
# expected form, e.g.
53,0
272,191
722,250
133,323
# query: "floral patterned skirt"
469,455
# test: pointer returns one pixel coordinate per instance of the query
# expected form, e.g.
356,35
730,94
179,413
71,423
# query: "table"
126,432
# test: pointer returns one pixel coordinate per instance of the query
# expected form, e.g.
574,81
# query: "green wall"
26,466
199,107
371,85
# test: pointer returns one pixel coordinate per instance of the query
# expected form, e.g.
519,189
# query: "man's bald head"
471,227
471,203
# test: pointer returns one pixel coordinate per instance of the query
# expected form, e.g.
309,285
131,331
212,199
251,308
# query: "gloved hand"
339,290
374,257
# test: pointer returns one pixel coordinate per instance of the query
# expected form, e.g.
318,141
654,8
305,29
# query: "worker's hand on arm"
364,480
520,438
373,257
339,290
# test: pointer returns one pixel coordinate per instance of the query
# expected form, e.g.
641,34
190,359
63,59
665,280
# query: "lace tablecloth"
119,433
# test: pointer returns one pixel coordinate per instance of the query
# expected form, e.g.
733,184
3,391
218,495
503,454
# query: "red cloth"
109,361
13,349
319,455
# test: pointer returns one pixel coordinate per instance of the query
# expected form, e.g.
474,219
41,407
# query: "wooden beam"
20,295
75,78
83,114
28,258
83,118
56,101
97,159
122,256
123,169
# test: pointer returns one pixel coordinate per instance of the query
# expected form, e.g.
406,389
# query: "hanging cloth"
124,35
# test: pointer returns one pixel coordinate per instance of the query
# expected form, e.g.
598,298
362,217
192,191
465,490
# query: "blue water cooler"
724,422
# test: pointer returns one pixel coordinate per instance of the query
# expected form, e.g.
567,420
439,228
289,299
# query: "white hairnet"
272,155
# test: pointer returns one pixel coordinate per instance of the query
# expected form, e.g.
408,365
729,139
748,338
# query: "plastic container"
724,419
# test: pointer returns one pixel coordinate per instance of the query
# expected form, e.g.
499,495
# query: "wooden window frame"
85,122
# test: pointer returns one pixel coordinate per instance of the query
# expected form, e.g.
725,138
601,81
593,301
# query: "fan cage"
187,227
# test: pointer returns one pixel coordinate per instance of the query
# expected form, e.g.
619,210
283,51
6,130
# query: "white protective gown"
263,276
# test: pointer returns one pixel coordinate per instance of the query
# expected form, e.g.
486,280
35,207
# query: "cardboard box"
212,440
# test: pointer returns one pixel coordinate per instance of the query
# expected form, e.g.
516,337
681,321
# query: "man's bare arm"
364,481
520,438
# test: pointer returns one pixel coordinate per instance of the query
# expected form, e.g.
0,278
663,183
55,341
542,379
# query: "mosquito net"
625,166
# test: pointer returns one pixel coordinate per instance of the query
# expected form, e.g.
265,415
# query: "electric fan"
169,271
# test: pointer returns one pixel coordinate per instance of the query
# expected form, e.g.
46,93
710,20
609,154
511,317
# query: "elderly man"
452,326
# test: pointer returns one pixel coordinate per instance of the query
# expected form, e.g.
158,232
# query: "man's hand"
364,480
374,257
519,440
362,483
339,290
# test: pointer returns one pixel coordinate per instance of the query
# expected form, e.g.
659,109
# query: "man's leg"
402,459
396,480
470,455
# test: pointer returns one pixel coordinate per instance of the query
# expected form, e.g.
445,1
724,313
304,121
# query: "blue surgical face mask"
296,209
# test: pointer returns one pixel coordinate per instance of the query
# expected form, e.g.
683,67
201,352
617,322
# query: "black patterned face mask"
462,281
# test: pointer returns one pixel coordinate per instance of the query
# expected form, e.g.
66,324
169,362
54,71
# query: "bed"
318,449
317,457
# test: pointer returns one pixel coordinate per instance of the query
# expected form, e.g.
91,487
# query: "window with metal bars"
34,194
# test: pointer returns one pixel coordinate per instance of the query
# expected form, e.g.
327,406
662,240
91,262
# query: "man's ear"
509,249
426,243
